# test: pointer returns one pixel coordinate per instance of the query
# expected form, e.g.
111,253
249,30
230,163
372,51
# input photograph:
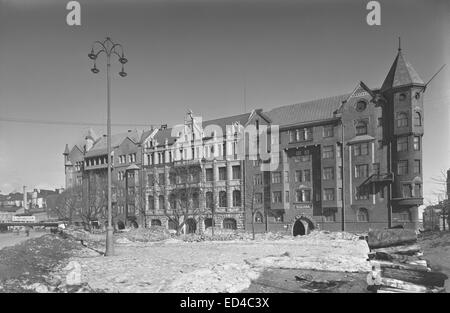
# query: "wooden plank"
416,277
384,289
403,250
400,266
381,238
399,284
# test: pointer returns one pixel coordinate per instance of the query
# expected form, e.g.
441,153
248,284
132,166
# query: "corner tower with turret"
403,130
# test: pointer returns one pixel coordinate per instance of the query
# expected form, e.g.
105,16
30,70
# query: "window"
328,194
162,204
151,203
327,152
307,175
298,176
362,215
402,119
300,134
195,200
402,97
417,119
258,217
339,173
361,170
416,166
329,214
404,216
258,198
236,172
173,202
209,174
305,158
276,177
173,178
361,105
222,173
286,177
161,179
328,173
222,199
402,143
380,144
229,223
402,167
376,168
276,197
286,197
303,195
361,193
339,194
407,191
209,199
361,128
417,190
328,131
236,198
416,143
381,191
361,149
150,179
379,122
257,179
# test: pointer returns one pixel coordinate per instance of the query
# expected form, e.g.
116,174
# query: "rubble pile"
150,234
229,277
398,266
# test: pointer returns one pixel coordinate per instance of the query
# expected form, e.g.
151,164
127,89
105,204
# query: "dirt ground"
10,239
436,248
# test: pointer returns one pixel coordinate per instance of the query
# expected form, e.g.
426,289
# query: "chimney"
25,202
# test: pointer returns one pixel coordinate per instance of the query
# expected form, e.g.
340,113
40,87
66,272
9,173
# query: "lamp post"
109,48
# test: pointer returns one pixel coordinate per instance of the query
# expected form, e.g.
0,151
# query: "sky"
215,57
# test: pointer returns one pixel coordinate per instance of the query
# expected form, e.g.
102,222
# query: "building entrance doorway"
302,226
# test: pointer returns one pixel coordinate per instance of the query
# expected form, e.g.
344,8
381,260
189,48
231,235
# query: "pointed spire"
399,44
66,150
401,72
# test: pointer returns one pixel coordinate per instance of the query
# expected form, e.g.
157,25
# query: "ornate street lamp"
109,48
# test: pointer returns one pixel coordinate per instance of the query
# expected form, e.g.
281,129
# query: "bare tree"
68,204
184,198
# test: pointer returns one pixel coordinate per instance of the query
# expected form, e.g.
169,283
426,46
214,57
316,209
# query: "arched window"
172,202
362,215
208,222
402,119
209,199
361,128
236,198
258,217
229,223
156,222
222,199
417,119
162,206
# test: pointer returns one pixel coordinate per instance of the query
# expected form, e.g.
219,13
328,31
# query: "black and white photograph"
224,151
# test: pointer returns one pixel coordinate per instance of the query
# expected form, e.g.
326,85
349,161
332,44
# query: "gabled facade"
351,162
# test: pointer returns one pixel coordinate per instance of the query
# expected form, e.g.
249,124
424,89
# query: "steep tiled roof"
162,134
230,120
401,73
309,111
100,146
